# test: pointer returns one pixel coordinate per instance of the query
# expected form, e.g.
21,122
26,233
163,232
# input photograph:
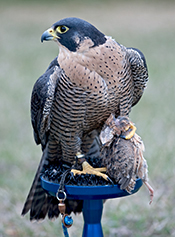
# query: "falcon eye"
62,29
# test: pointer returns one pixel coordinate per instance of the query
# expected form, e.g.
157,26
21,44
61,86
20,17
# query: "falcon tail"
36,197
40,204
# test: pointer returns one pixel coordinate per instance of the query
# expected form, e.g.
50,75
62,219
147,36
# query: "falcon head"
72,32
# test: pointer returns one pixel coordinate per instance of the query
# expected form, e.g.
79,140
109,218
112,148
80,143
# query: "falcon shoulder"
139,72
41,102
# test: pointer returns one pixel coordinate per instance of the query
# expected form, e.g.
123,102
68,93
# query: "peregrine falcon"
92,77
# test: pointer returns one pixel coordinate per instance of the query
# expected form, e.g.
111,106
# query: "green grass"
147,25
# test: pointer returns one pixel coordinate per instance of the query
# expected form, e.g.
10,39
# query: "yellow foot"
88,169
130,133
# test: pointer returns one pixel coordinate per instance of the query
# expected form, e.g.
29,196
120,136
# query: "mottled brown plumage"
92,77
123,157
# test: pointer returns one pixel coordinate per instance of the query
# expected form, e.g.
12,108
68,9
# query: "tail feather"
36,186
39,203
53,211
39,207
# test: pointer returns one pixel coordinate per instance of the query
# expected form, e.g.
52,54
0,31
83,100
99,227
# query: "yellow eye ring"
62,29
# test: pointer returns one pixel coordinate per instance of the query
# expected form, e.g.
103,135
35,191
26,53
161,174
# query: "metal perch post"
93,202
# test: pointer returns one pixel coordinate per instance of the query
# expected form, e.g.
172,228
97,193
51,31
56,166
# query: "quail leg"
88,169
151,191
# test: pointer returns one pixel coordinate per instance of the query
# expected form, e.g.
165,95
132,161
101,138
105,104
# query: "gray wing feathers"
139,72
41,102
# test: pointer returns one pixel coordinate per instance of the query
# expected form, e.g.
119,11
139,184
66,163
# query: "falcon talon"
110,180
122,136
88,169
72,175
75,172
130,130
131,133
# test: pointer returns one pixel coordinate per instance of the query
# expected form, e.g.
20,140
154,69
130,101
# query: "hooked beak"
49,34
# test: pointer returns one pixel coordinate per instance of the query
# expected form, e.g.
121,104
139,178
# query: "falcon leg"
131,133
151,191
88,169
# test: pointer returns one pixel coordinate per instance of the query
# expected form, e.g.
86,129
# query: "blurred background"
147,25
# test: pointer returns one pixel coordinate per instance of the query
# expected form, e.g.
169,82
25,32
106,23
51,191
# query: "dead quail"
123,157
